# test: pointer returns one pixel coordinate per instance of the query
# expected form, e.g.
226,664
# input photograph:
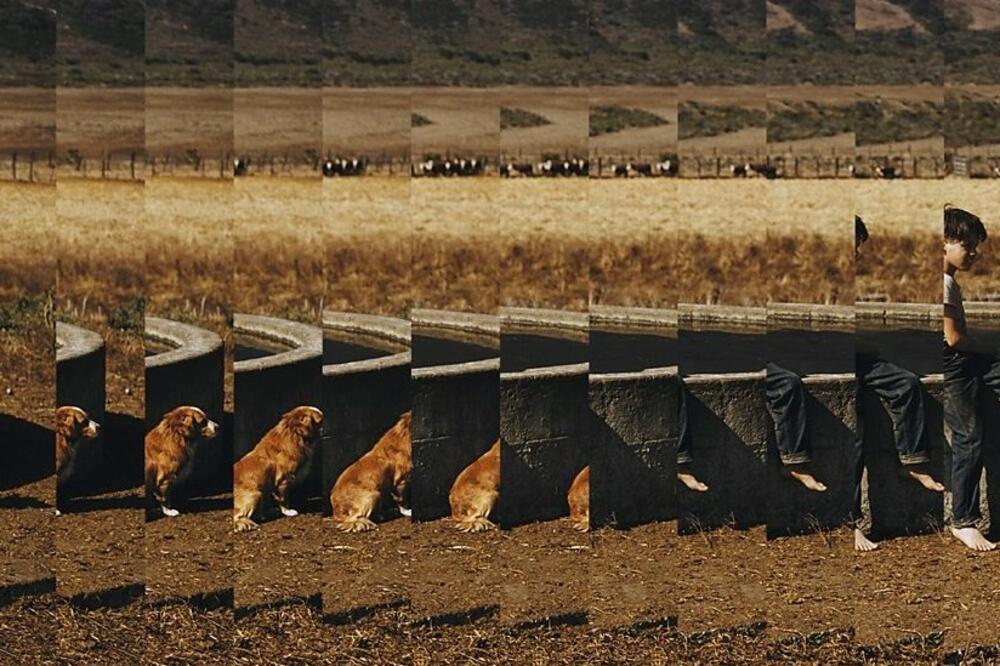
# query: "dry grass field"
278,230
370,259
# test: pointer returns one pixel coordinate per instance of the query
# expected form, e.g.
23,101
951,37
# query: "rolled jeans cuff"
794,458
684,458
914,458
964,522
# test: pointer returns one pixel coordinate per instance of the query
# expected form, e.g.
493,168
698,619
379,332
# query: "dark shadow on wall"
733,468
792,509
900,507
456,419
122,469
358,409
28,452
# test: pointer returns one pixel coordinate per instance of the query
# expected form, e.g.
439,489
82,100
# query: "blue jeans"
787,404
786,400
903,395
965,378
684,443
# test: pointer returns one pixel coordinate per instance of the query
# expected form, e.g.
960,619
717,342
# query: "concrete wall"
831,429
545,427
634,434
729,428
80,381
191,373
267,387
456,409
363,399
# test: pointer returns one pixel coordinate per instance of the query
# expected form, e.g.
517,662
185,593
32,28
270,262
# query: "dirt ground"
642,596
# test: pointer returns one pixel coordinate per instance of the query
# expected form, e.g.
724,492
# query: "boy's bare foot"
973,538
863,543
923,478
691,482
806,479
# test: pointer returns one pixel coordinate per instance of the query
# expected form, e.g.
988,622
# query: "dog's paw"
58,512
289,513
170,513
406,513
244,525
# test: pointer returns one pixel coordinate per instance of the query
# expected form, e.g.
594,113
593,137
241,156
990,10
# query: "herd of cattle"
477,166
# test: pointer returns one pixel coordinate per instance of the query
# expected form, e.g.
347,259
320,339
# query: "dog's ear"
179,420
65,421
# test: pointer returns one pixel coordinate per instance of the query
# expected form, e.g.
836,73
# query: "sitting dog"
72,425
382,471
280,459
170,451
475,492
578,499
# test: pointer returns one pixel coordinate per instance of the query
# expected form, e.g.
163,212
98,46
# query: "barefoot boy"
900,390
969,367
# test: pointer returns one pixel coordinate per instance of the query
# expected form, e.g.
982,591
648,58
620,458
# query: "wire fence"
44,166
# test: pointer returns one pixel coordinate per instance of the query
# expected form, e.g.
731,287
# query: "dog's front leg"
163,486
401,495
281,489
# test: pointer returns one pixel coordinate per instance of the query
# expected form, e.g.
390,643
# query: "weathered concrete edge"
377,326
489,365
549,372
396,331
691,313
668,372
628,317
306,341
540,318
840,314
467,322
188,341
926,312
73,342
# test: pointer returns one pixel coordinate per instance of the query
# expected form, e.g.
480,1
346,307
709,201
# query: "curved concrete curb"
80,381
190,373
456,407
362,399
267,387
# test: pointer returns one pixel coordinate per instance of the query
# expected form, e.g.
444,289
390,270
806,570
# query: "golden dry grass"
278,232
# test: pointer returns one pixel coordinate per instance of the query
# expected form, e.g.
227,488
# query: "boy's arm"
956,336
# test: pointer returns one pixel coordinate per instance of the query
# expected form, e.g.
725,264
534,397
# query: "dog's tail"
355,524
243,524
474,524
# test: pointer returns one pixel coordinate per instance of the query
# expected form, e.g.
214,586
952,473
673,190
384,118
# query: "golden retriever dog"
382,471
578,499
72,425
279,460
170,451
475,492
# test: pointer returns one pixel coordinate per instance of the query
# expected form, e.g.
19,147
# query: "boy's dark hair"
961,225
860,230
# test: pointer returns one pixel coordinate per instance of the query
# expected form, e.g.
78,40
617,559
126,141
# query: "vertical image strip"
901,129
810,395
277,296
455,149
188,422
634,389
27,331
99,310
722,264
367,461
544,245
